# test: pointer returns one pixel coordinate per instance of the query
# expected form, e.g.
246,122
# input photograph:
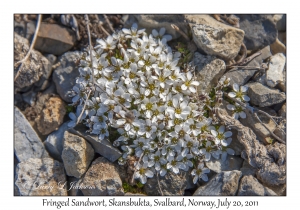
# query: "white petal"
205,170
195,179
232,94
163,172
72,116
242,115
230,151
204,177
221,129
71,124
246,98
228,134
149,173
244,88
224,156
214,133
230,107
143,179
235,87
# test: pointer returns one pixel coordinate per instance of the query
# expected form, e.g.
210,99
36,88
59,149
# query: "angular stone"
76,155
235,144
282,37
260,30
103,147
54,39
242,76
43,83
249,186
171,184
157,21
231,163
52,115
247,169
54,142
264,96
21,29
36,67
223,184
270,161
278,47
27,143
216,38
64,76
259,129
101,179
73,187
41,177
280,21
209,70
29,97
274,74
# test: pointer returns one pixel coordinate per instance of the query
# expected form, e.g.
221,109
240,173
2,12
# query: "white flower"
74,117
238,111
187,82
108,44
173,164
160,35
181,110
156,160
220,135
142,173
200,173
185,163
133,33
239,93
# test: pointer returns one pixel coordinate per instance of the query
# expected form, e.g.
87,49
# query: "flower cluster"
133,85
240,94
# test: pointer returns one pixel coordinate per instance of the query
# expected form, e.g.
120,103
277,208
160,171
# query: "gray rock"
52,115
260,30
282,111
249,186
27,144
171,184
18,98
72,186
278,47
157,21
101,179
134,194
274,74
270,161
247,169
25,31
41,177
54,142
29,97
259,129
241,76
35,68
235,144
223,184
54,39
264,96
76,155
216,38
103,147
64,75
231,163
280,21
209,70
